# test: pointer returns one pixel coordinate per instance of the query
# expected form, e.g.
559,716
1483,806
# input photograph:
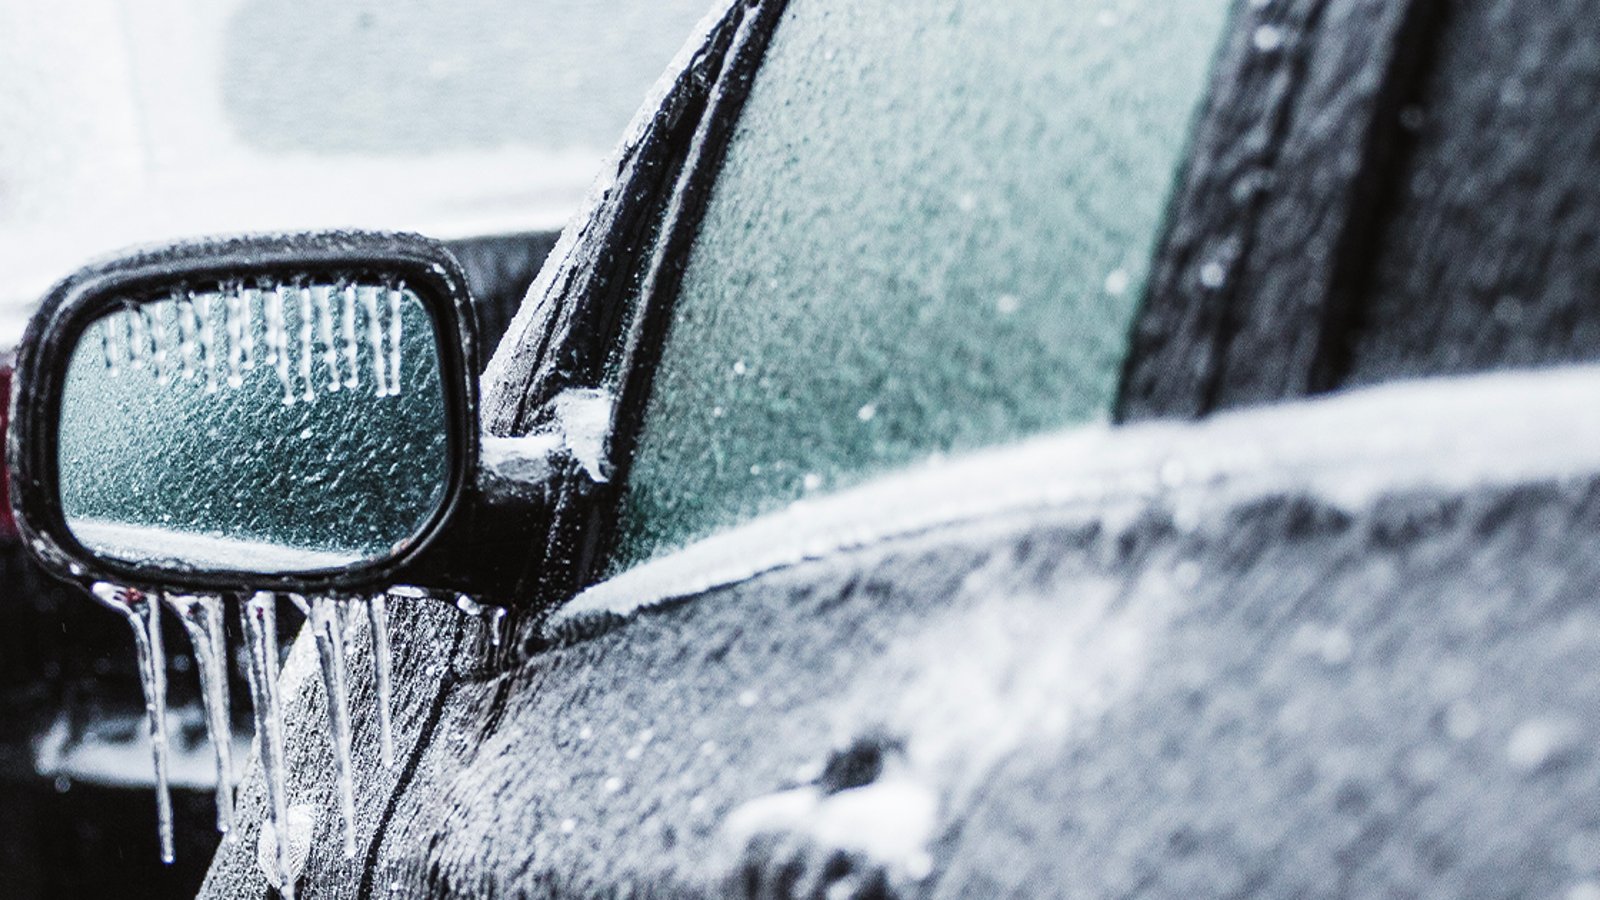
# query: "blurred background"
480,122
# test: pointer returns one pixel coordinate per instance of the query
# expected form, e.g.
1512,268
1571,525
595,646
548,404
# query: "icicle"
272,312
158,344
247,334
202,619
261,632
206,307
117,326
105,349
188,334
327,623
144,616
307,347
396,300
278,343
233,324
378,617
352,350
138,337
369,307
330,349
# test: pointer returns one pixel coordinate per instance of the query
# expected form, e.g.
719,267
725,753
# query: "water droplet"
1117,282
812,481
612,785
1213,275
1267,38
749,698
1536,742
739,367
1007,304
867,412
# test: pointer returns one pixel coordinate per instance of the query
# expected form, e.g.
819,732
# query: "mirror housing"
427,270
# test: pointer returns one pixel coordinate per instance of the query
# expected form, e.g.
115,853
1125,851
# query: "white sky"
118,127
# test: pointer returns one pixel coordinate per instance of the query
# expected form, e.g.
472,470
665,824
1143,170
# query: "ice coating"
201,615
378,618
261,633
144,616
327,624
279,454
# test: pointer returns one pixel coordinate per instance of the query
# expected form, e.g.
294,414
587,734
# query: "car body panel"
1349,633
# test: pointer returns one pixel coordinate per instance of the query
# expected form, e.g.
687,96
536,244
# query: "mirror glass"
271,428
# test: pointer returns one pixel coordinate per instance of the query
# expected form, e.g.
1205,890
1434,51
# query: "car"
1051,449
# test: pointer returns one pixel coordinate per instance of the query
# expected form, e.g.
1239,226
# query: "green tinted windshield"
930,235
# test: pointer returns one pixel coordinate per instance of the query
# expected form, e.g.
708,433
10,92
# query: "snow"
1446,433
578,428
189,550
889,821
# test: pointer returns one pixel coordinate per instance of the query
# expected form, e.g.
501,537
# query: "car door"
1164,657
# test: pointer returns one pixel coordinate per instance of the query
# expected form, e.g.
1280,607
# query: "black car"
1032,449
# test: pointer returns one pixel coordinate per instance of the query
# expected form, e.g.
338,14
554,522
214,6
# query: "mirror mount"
509,543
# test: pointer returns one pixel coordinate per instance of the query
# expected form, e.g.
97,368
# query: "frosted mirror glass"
255,429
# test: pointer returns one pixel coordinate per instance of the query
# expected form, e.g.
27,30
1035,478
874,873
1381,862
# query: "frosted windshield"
283,430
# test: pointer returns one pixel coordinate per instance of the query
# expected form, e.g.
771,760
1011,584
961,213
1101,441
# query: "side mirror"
265,417
295,414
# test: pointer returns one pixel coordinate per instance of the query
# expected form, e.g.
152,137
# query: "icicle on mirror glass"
253,428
